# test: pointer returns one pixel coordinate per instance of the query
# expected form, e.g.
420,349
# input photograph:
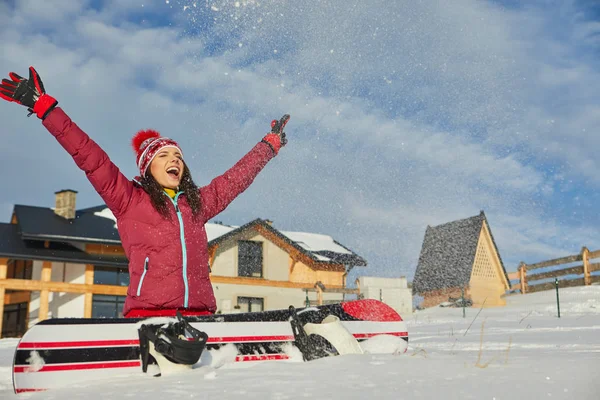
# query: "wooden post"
585,255
212,253
523,277
88,300
293,262
3,274
44,294
319,295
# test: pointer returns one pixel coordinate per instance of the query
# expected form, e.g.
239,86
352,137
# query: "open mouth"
173,172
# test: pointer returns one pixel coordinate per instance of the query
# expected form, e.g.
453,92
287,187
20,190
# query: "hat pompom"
141,137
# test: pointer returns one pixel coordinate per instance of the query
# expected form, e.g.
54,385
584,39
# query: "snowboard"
71,351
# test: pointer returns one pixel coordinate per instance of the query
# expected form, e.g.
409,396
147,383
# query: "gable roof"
13,246
319,248
40,223
448,254
98,225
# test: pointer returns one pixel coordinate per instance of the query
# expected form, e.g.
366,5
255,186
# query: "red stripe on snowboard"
76,367
133,342
262,357
370,335
87,343
237,339
29,390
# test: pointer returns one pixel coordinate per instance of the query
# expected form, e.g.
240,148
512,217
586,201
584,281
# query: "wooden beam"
551,285
513,275
594,254
523,277
89,297
577,270
3,274
16,297
335,290
45,293
238,280
556,261
95,248
38,286
31,285
293,263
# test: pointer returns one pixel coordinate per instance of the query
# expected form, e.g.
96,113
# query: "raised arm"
222,190
114,188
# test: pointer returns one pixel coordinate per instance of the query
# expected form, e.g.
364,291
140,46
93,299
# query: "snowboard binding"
324,339
171,345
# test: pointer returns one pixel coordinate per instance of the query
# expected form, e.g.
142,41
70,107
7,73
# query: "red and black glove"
28,92
276,139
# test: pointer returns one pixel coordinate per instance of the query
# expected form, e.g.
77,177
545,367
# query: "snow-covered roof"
214,231
98,224
321,248
106,213
314,242
448,253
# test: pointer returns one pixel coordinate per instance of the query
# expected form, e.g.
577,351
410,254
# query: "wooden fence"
527,280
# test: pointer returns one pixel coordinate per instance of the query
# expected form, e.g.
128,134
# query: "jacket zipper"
143,276
183,248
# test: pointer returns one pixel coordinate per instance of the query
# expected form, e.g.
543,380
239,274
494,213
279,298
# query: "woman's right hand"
28,92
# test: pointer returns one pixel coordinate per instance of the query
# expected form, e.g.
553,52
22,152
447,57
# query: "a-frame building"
461,256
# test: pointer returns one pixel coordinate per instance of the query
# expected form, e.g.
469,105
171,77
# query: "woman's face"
167,167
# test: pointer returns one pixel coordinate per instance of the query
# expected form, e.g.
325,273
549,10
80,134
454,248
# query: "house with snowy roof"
63,262
461,257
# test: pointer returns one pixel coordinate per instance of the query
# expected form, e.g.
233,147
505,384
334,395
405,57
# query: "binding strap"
178,342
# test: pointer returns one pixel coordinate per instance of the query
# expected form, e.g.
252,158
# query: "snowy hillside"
521,351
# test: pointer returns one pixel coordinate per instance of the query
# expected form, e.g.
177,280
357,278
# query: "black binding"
311,347
178,342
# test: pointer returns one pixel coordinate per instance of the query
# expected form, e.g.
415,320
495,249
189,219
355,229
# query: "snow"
214,231
311,242
106,213
316,242
520,351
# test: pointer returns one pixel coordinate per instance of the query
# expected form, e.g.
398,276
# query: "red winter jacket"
168,259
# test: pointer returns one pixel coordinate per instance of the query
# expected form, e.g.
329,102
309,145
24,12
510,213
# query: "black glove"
28,92
276,138
277,128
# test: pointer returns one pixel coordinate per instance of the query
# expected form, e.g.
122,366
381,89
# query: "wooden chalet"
461,257
63,262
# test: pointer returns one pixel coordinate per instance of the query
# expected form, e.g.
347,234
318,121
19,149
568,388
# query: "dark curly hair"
159,200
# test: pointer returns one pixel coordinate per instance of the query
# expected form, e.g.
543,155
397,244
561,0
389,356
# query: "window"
14,320
19,269
251,304
250,259
106,306
111,276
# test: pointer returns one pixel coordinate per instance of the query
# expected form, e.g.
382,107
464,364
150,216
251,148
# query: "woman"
160,214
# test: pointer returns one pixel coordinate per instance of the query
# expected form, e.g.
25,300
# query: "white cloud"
421,114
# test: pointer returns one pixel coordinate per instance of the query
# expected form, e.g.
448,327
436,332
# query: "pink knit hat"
146,145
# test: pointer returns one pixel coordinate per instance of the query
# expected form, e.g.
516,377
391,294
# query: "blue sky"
404,114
